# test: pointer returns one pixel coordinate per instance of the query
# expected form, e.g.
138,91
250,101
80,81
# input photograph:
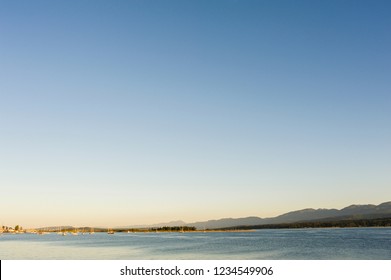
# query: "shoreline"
184,232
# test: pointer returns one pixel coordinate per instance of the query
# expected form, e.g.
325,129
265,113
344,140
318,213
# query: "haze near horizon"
141,112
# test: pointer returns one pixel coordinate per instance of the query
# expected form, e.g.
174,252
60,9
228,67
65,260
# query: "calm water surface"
307,244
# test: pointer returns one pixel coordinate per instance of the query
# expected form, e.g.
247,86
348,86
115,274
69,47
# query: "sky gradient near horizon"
135,112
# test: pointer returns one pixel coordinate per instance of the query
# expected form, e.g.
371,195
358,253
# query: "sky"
118,113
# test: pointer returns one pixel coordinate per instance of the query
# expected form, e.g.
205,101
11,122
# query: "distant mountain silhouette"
168,224
367,211
309,214
228,222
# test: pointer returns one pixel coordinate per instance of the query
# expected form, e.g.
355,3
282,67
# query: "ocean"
266,244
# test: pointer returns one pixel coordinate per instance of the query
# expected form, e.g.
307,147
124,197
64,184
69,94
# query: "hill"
367,211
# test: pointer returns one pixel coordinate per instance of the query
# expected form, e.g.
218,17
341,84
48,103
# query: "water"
295,244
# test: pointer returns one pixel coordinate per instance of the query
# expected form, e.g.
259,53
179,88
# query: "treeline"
7,229
186,228
381,222
159,229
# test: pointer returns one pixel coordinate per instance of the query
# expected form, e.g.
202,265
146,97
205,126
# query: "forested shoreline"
380,222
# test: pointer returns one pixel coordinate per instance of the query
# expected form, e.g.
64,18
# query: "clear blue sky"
136,112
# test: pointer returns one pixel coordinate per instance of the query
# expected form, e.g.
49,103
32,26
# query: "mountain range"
352,212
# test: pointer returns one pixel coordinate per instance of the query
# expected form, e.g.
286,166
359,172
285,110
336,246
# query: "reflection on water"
350,243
